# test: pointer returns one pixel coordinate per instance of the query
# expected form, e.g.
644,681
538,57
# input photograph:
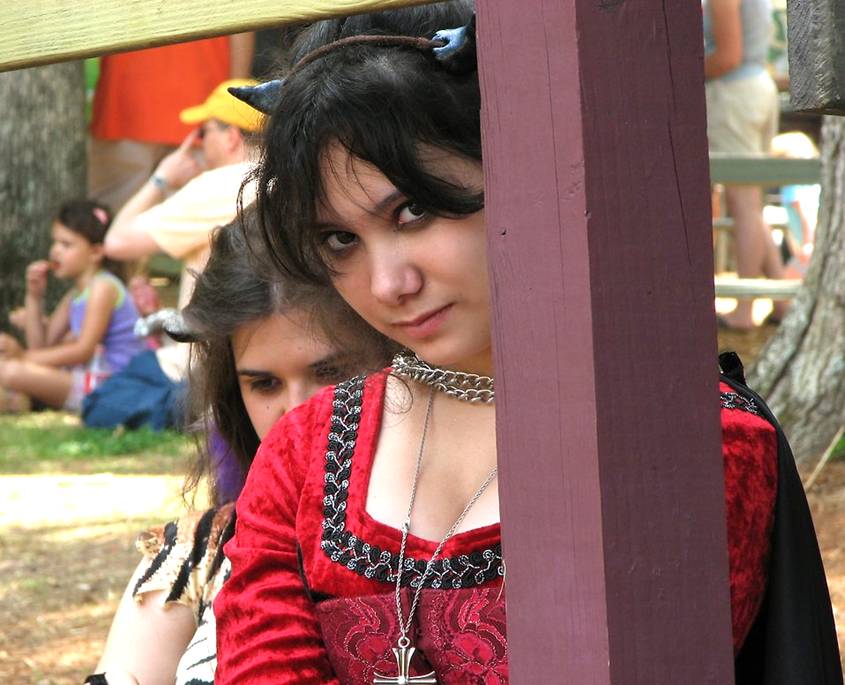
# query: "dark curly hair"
386,106
228,294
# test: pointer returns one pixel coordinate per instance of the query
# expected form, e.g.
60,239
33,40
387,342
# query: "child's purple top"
119,341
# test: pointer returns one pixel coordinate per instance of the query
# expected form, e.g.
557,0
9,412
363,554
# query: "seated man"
190,194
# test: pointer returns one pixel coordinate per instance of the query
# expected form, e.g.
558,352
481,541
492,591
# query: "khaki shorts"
742,115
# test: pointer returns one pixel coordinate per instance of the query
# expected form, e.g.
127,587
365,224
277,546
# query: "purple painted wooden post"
598,212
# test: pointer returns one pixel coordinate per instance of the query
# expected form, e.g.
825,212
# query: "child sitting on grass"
95,319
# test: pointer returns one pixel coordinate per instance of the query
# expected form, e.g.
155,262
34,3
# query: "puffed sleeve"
267,630
749,448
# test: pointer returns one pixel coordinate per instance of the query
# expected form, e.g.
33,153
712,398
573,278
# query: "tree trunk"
801,371
42,164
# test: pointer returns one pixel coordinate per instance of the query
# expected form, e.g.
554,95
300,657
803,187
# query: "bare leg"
45,383
756,252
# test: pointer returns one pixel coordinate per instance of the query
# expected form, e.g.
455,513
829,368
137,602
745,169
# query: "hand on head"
181,165
36,278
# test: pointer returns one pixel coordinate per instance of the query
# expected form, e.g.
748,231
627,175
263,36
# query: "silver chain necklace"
404,652
468,387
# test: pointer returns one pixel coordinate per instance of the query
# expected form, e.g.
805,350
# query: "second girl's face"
419,279
279,366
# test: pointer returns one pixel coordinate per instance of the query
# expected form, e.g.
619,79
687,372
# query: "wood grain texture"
36,32
597,202
816,34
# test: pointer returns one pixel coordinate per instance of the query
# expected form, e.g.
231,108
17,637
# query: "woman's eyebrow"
388,201
378,209
328,360
253,373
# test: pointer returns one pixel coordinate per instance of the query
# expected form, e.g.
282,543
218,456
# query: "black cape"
793,639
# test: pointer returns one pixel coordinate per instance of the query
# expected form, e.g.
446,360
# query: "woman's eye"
340,241
410,213
265,385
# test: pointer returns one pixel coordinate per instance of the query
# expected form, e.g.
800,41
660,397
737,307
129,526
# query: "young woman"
254,358
97,311
367,546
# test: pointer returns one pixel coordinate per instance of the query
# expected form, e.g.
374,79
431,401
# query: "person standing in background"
135,120
742,119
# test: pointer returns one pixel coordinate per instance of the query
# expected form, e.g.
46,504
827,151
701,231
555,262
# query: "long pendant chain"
403,652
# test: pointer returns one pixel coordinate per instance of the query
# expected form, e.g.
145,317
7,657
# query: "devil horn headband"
453,48
262,97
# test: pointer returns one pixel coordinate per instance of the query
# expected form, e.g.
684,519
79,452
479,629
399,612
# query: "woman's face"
279,366
419,279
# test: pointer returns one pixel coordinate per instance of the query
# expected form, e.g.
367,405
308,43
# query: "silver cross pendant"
404,653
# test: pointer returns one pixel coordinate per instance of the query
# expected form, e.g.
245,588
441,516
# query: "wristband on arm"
159,182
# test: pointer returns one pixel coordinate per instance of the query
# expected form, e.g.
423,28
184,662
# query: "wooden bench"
749,288
163,265
762,170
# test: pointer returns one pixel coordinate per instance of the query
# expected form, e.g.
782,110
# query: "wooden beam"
600,243
34,32
816,37
764,170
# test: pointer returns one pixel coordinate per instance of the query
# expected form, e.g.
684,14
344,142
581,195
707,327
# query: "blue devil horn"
458,53
263,97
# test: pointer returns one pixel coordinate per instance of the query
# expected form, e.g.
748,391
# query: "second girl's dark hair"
231,292
228,294
389,106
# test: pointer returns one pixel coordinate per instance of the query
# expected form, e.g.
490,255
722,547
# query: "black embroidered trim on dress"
733,400
370,561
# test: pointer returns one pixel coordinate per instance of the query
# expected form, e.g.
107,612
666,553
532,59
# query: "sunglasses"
203,130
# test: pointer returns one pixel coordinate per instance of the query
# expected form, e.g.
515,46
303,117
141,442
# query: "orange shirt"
140,94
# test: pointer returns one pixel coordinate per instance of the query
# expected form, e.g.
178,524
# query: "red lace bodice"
302,516
459,634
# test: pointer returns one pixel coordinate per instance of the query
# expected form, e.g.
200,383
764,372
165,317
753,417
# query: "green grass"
48,442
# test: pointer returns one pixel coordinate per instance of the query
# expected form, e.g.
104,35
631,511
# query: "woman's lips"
426,325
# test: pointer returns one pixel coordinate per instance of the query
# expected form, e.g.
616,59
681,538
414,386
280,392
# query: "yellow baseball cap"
225,107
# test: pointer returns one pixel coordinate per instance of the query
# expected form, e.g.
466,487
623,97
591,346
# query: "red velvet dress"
310,598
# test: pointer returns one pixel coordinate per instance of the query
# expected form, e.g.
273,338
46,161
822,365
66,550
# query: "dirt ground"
66,552
827,501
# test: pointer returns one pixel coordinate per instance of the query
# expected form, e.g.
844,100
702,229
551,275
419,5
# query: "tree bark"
42,164
801,371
